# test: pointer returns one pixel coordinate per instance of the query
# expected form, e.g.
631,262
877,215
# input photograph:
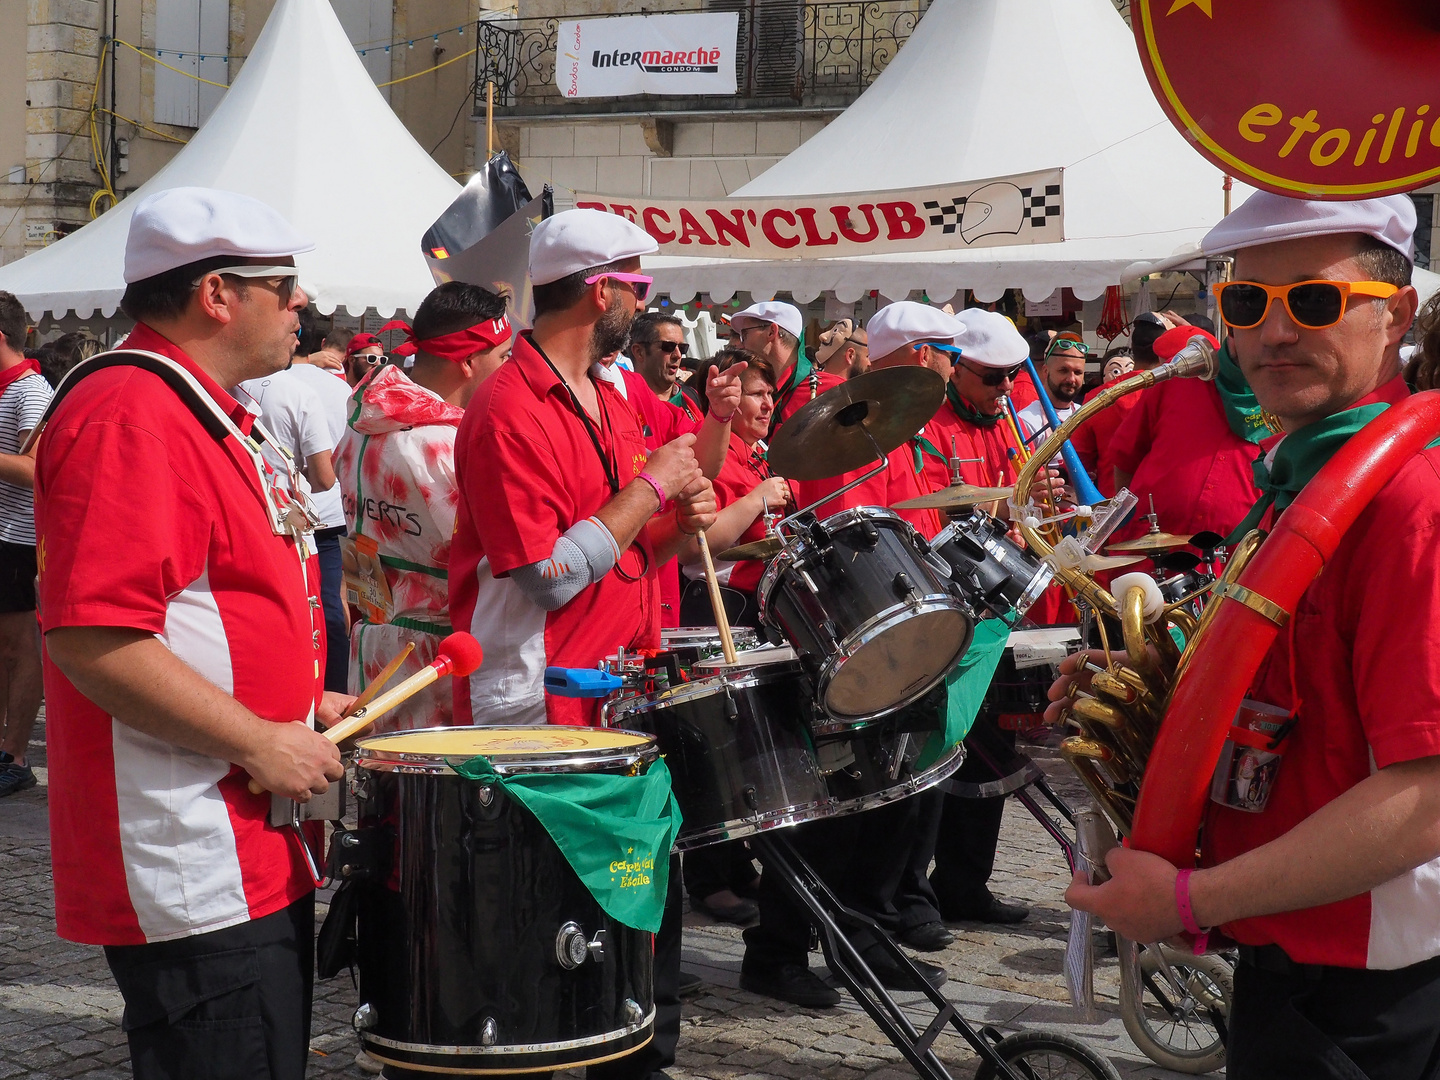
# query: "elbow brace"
582,556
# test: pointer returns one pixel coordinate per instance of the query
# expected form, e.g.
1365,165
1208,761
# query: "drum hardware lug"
732,712
486,795
570,946
750,796
902,585
870,535
597,947
634,1015
365,1017
489,1032
361,854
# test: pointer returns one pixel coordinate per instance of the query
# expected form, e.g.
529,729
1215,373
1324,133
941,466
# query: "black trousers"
1289,1022
233,1004
969,830
718,867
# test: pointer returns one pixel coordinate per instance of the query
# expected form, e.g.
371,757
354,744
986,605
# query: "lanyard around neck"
612,475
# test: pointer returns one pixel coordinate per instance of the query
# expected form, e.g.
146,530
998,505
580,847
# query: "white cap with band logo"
576,240
899,324
186,225
1266,218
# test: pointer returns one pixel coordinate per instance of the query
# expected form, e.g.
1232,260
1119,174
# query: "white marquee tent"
987,88
302,92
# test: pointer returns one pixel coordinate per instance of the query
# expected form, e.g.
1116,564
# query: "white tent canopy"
302,92
988,88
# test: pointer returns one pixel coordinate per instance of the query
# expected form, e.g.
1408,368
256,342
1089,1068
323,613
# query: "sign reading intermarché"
647,54
1024,209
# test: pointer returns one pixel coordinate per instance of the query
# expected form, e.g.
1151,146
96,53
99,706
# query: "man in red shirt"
1094,442
1332,886
658,348
184,650
1189,446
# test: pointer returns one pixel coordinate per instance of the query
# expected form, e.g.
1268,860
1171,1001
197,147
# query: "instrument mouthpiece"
1197,360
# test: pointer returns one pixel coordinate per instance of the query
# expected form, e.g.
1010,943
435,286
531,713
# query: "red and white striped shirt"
146,521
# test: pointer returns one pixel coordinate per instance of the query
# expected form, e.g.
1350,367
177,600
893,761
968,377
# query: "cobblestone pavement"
60,1012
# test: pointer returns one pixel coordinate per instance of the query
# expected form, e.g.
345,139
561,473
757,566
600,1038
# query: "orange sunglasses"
1311,304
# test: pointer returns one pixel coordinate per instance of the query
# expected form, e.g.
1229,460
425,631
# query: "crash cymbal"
757,549
1155,541
1093,563
840,430
954,498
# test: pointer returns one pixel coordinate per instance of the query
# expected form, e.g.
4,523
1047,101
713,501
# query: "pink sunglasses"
641,282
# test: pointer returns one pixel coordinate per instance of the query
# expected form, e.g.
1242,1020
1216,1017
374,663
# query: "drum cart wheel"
1043,1055
1176,1007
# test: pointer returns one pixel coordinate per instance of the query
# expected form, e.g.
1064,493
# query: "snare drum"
869,610
468,962
738,747
992,571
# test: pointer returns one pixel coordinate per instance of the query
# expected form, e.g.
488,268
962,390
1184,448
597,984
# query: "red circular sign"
1327,99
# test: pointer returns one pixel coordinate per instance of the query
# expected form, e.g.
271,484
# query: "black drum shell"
859,577
467,931
991,570
739,750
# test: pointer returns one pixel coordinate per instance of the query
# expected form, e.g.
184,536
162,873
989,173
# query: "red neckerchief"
19,371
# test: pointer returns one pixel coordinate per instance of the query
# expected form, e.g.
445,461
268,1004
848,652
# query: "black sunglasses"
994,376
682,347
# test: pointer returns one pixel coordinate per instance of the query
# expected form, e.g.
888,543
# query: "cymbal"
1156,541
1093,563
840,430
757,549
954,497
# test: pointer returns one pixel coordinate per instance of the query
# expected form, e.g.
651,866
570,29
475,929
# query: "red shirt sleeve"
120,532
1132,440
526,500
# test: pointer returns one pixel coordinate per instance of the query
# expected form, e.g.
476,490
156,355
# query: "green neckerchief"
799,373
1242,411
1297,459
964,689
615,831
966,411
921,446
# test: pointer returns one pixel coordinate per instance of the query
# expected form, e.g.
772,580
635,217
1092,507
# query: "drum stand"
780,857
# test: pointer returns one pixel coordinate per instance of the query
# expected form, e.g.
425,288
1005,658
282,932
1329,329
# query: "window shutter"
771,48
186,30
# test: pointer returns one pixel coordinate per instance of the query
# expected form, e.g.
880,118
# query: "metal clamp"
1250,598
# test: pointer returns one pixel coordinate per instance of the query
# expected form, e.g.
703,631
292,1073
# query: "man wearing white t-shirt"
295,414
1064,375
24,393
333,393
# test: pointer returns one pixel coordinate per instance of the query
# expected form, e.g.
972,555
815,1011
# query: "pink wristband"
659,491
723,419
1187,914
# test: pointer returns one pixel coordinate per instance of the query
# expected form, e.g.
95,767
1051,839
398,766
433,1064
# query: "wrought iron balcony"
789,55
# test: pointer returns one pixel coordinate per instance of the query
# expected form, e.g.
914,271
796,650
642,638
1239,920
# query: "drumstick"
459,654
722,623
386,674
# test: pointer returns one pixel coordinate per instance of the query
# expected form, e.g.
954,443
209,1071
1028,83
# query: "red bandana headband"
456,346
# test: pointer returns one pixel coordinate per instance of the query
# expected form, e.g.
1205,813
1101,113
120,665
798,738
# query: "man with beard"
1064,375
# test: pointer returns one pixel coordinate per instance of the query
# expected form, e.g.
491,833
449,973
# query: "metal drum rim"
646,752
739,678
739,828
938,772
506,1049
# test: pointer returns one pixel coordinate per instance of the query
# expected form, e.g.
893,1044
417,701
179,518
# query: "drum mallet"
459,654
378,683
722,623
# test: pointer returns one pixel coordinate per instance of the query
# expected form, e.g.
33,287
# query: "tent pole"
490,118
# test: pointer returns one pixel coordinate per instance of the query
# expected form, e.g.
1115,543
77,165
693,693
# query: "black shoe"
690,983
996,911
927,937
794,983
893,976
736,910
15,778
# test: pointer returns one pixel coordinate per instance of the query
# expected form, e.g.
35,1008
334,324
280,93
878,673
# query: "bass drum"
738,746
869,609
466,956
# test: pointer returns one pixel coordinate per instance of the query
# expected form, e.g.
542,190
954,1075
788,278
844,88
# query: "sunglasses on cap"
682,347
289,277
639,282
1062,343
994,376
953,350
1311,304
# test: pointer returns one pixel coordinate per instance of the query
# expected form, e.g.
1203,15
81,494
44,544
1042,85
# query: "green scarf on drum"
615,831
965,689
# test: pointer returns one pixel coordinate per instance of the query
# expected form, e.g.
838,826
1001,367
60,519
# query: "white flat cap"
786,316
187,224
991,340
896,325
576,240
1266,218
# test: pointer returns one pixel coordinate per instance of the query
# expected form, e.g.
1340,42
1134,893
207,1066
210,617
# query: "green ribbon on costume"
922,446
1242,411
966,411
1298,457
965,688
615,831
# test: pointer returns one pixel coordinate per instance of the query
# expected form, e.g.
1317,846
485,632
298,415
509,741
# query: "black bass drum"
869,609
485,953
738,747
